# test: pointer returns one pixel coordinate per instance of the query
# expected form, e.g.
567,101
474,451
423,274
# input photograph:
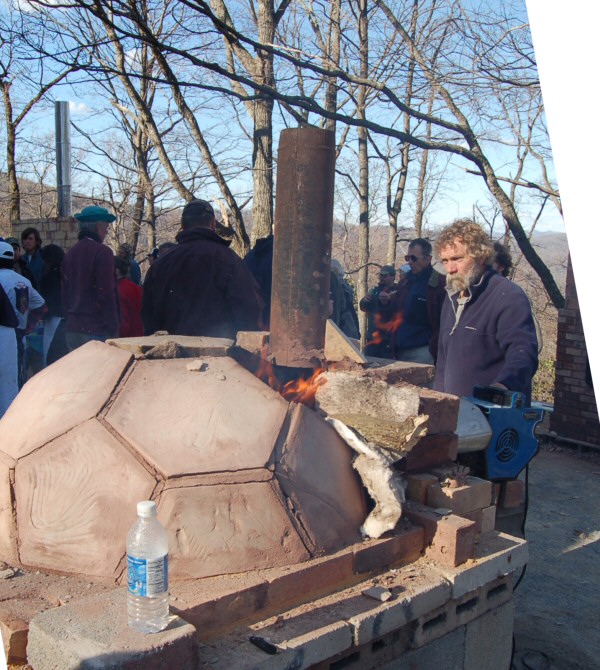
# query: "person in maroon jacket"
90,301
201,287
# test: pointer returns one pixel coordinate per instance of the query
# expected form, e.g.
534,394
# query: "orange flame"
302,391
382,327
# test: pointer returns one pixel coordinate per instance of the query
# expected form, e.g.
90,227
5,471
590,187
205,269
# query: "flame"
382,327
302,391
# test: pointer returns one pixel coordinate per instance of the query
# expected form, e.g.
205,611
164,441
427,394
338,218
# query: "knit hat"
95,213
387,270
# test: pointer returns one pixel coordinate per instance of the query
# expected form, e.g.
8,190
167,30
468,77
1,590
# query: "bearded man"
487,331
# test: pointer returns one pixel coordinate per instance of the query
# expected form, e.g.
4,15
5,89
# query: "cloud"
78,108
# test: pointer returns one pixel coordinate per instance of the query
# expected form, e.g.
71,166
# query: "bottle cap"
146,508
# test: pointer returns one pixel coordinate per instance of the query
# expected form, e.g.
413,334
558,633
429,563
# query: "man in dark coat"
201,287
487,332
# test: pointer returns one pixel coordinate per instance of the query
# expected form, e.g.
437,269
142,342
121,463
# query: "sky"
565,39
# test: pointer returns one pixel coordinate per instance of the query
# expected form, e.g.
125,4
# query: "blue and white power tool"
497,423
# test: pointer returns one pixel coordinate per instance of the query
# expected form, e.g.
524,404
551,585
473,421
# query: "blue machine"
513,442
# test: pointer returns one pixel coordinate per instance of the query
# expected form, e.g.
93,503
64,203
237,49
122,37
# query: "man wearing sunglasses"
417,306
376,304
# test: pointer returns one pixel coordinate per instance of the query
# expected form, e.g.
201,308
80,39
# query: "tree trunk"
14,195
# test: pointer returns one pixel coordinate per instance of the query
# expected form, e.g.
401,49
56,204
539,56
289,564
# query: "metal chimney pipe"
63,158
302,246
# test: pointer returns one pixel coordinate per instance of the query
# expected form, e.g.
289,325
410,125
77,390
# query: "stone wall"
60,231
575,415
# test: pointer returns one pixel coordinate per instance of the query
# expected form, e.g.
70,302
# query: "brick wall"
575,415
60,231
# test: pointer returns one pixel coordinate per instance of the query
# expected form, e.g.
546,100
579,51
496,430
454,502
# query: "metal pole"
63,158
302,246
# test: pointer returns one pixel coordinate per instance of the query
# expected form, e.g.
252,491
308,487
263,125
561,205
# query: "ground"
556,604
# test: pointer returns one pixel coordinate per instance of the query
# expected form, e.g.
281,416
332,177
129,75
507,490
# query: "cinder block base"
93,633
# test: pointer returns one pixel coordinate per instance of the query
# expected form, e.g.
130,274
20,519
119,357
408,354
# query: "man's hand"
385,297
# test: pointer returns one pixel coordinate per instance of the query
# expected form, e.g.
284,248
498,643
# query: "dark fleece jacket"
494,341
201,287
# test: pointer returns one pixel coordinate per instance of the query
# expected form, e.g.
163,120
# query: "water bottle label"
147,578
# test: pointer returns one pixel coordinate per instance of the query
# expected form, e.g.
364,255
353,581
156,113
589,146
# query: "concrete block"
445,653
424,594
319,644
496,625
476,494
495,555
93,633
512,493
454,541
417,485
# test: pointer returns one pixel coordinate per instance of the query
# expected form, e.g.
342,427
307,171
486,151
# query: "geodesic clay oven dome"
243,479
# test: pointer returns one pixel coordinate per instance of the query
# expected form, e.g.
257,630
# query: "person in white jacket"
23,298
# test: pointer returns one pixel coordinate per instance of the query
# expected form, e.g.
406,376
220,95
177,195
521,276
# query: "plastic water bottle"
147,572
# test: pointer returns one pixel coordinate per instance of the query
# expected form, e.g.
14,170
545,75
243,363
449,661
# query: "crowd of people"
472,322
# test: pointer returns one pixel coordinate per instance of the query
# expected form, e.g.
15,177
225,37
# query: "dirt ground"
557,604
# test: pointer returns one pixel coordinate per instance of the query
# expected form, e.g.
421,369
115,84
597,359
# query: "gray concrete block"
445,653
92,633
496,625
428,594
495,555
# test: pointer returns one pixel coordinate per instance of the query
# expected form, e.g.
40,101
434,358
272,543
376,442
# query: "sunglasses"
412,258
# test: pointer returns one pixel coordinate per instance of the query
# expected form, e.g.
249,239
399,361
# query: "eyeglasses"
412,258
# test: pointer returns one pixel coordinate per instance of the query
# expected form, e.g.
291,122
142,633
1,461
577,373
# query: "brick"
430,451
374,555
454,541
253,341
495,555
14,637
512,493
308,580
476,494
417,485
485,519
217,604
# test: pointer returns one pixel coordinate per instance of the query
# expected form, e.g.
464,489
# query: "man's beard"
462,282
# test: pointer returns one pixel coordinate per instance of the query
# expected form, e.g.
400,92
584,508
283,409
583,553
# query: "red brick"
310,580
454,541
14,636
476,494
430,451
512,493
417,485
485,519
374,555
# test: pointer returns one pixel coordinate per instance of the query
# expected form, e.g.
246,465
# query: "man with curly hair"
487,331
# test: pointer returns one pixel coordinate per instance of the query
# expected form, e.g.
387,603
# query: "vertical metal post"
63,158
302,246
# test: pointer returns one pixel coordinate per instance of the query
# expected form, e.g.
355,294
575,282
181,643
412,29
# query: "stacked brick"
454,514
61,231
575,415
